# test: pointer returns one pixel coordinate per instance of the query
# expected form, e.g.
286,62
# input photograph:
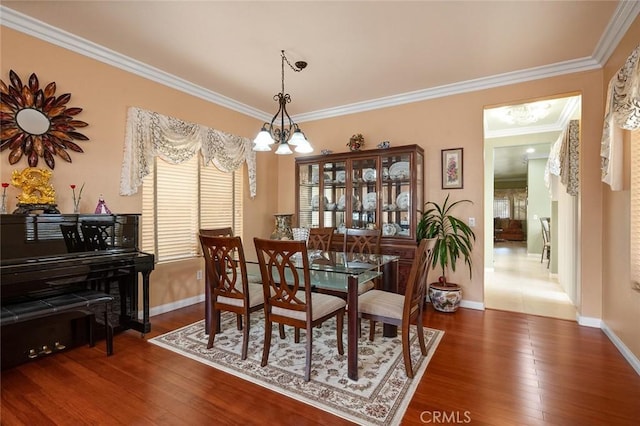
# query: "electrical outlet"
472,222
199,274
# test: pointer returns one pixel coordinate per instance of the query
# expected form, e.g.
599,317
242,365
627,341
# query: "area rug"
380,396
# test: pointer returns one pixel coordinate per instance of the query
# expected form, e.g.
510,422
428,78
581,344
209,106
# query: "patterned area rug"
379,397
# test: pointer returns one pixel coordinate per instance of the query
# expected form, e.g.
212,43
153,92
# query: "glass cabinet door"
364,200
309,191
377,189
334,181
397,204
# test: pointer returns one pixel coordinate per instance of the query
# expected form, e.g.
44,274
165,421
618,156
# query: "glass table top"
331,269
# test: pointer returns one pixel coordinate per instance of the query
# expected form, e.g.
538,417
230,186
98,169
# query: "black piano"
53,255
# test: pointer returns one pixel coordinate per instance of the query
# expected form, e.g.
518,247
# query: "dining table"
341,273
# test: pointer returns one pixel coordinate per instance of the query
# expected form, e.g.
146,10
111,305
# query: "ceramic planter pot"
445,297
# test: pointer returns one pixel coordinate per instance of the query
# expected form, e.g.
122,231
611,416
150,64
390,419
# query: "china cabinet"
378,188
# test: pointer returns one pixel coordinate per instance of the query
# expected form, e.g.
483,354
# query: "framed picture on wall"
452,168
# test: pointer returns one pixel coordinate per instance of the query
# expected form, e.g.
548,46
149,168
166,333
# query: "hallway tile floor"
521,283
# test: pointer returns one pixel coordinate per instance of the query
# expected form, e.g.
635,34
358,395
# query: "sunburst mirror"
37,124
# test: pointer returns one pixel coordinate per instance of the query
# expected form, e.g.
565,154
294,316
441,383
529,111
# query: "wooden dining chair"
546,239
320,238
288,299
72,238
362,241
94,236
229,287
217,232
401,310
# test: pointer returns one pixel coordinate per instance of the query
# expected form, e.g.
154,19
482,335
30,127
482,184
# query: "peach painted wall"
456,121
105,93
621,304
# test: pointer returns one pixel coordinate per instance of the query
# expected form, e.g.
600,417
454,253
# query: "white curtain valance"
150,134
622,111
564,158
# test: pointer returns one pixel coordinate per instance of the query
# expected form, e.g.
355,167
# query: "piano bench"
79,300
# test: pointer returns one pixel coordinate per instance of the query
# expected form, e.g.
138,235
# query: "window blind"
501,208
179,199
221,198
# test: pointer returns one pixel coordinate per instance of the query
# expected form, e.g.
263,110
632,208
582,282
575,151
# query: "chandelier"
276,131
525,113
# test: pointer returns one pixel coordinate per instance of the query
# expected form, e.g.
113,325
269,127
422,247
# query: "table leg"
146,325
207,305
390,283
352,328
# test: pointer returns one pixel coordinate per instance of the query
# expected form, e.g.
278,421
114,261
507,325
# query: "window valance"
564,158
622,111
150,134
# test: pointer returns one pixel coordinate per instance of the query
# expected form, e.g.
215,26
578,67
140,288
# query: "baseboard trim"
162,309
479,306
589,321
624,350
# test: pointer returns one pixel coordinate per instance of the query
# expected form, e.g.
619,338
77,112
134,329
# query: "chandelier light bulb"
284,149
304,147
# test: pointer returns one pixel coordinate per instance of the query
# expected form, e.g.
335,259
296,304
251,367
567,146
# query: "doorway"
518,278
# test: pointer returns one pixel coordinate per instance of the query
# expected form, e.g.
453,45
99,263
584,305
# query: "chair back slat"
72,238
226,267
362,241
281,279
320,238
217,232
418,276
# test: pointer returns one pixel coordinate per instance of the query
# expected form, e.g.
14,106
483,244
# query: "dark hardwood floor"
491,368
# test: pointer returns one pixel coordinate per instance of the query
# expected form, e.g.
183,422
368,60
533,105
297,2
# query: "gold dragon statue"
36,189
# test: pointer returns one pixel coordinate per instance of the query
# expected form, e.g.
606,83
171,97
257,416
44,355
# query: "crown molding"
620,22
568,67
624,15
35,28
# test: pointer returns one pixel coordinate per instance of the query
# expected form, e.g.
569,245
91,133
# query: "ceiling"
361,54
515,144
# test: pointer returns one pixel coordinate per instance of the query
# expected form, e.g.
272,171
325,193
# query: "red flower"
5,185
72,186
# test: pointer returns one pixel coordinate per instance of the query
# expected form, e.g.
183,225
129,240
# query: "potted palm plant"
454,240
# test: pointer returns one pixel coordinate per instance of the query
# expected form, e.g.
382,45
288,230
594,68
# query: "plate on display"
356,205
388,229
369,201
341,176
402,201
315,202
369,175
315,179
399,170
